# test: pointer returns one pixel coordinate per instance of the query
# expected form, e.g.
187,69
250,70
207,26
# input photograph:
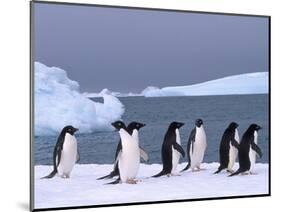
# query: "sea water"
157,113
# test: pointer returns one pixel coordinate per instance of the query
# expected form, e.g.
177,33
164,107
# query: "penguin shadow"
23,205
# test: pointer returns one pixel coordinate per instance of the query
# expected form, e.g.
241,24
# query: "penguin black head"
135,125
176,125
254,127
198,122
69,129
233,125
118,125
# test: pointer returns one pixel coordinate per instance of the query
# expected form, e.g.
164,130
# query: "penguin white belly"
233,152
252,153
175,153
232,157
199,147
129,159
68,155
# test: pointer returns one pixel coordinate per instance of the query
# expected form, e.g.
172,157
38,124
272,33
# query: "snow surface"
83,188
58,102
251,83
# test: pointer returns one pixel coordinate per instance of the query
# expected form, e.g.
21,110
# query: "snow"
250,83
83,188
58,102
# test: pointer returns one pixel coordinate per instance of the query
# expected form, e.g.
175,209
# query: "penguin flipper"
144,155
256,148
179,148
77,156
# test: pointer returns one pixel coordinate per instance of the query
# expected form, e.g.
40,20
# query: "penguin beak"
143,125
76,129
181,124
115,128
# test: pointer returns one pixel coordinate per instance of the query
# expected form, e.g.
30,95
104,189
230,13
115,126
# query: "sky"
127,50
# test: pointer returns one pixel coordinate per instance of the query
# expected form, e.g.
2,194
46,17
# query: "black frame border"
31,108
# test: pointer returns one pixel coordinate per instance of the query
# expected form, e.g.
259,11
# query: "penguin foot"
131,181
198,169
253,173
230,171
245,173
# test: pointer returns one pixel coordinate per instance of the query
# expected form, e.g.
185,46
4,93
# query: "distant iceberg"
58,102
109,92
250,83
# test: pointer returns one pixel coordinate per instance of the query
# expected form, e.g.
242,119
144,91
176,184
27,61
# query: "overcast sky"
128,50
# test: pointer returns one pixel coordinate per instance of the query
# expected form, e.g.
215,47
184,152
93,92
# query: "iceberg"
109,92
250,83
58,102
150,90
103,92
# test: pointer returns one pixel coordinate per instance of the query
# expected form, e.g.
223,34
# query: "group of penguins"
128,152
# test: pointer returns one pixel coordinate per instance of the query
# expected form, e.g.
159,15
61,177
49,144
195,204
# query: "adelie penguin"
248,149
65,154
229,148
129,157
196,146
133,129
171,150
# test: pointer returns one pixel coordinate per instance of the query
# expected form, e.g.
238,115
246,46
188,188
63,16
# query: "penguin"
229,148
196,146
171,150
248,149
131,127
129,156
65,153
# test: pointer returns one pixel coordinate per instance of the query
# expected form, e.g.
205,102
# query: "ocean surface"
157,113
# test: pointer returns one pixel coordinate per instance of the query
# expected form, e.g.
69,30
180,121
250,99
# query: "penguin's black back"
57,153
166,151
227,136
243,153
